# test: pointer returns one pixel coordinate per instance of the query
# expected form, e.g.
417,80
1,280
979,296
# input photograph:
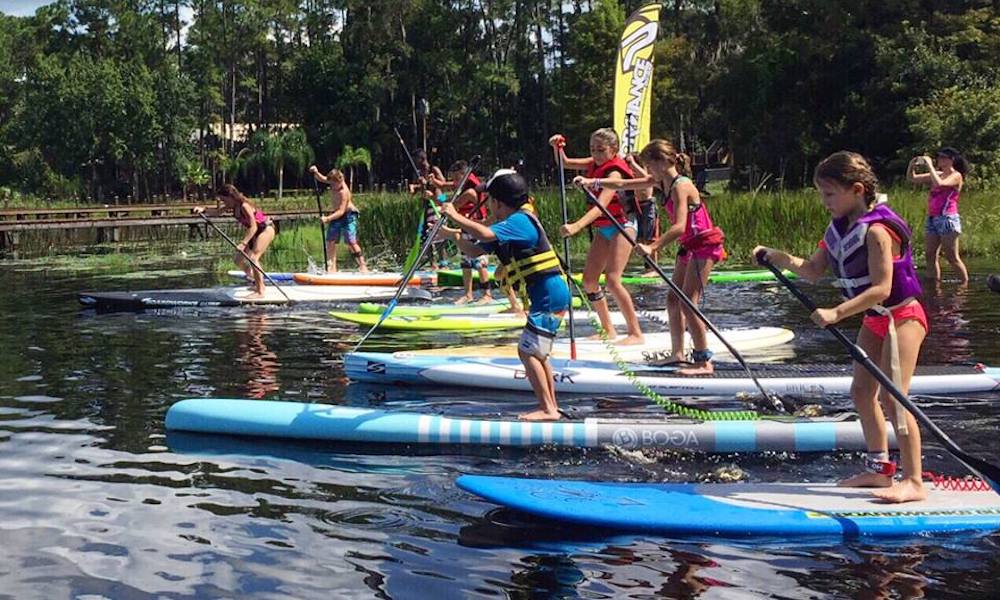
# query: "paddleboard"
277,276
428,310
269,418
454,322
596,377
744,340
453,277
738,509
993,281
354,278
237,296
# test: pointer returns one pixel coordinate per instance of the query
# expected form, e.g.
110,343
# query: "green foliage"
103,100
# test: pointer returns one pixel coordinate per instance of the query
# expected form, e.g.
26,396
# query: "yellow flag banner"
634,78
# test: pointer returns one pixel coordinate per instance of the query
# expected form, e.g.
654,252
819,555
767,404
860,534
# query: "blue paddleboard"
738,509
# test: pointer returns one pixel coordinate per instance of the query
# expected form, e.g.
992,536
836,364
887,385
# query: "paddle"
985,470
322,229
245,255
569,270
680,294
423,249
411,256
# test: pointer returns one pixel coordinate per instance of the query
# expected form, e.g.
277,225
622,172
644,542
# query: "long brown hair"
663,150
847,168
229,190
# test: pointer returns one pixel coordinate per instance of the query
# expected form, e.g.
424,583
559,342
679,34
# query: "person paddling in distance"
609,252
428,189
471,205
342,223
867,247
943,222
260,232
700,245
520,244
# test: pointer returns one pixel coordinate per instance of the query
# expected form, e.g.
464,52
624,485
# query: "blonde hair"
662,150
847,168
606,136
335,175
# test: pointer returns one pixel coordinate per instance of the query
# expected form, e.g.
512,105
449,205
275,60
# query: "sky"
21,8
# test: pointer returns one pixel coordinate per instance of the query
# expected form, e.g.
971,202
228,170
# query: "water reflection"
949,334
259,364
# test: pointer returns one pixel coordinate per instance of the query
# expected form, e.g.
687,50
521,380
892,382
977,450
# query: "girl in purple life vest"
867,248
943,223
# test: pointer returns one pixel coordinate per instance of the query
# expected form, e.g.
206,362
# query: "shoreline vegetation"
793,219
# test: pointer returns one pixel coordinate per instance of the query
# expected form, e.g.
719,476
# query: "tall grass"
792,221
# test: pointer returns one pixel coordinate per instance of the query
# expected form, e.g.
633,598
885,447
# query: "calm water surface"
97,500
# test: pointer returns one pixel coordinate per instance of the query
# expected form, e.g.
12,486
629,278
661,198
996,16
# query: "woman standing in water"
943,222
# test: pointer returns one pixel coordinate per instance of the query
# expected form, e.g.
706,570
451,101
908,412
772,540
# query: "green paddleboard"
429,310
453,277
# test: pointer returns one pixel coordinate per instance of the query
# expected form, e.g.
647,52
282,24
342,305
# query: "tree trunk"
281,179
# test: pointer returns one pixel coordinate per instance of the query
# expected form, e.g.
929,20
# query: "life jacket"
525,266
848,255
699,231
622,204
475,209
258,216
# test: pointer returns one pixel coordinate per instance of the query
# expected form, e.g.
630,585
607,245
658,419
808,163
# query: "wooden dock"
109,220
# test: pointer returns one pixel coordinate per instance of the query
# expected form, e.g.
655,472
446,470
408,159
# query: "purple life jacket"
848,255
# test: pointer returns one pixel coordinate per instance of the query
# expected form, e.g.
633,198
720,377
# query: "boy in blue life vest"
532,270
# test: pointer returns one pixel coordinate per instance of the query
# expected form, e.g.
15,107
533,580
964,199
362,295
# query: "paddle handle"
322,229
251,261
986,471
569,269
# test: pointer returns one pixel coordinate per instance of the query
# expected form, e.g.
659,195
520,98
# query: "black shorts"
647,221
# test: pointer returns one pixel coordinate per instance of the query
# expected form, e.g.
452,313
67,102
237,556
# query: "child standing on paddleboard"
260,232
609,252
471,204
342,222
520,243
867,248
700,245
943,222
428,188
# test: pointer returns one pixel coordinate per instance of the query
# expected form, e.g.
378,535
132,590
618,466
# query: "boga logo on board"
556,376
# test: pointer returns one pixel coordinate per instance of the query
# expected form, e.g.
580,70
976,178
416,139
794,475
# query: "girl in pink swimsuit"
943,223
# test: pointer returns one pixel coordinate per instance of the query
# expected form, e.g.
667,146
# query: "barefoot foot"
486,299
631,340
464,300
705,368
867,480
907,490
539,415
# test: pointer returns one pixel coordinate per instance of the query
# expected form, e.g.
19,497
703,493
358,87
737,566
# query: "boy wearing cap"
532,270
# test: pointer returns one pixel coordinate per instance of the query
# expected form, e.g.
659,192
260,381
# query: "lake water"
97,500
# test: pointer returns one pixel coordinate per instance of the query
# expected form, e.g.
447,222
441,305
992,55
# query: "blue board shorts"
943,225
549,301
345,227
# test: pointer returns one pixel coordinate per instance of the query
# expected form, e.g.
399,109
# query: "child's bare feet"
486,299
464,299
539,415
907,490
867,480
705,368
631,340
